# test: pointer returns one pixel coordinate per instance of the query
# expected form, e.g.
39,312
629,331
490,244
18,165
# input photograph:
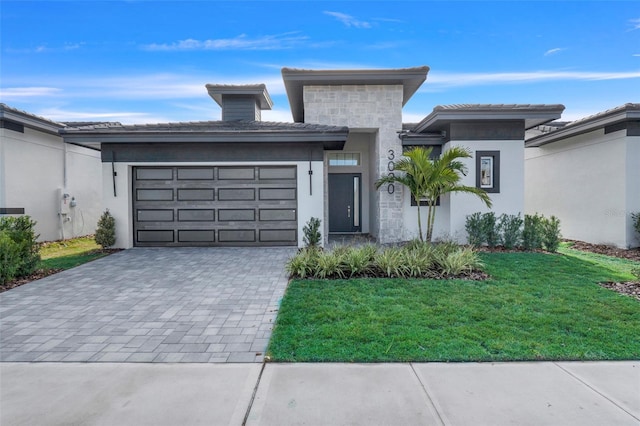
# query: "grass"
614,264
536,307
69,253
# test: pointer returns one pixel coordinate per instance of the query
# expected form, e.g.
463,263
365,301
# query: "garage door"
215,206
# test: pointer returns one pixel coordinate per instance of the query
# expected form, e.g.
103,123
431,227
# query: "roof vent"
240,102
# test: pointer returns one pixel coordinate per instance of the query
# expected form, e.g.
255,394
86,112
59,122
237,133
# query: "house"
587,173
242,181
55,183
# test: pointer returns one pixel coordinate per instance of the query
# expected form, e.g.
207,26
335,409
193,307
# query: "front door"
345,202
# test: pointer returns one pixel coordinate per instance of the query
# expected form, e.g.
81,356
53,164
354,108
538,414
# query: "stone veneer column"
377,107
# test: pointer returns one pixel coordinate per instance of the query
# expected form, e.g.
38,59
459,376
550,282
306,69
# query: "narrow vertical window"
488,171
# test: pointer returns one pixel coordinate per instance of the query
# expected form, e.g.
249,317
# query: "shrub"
532,234
457,262
357,260
391,263
106,231
510,227
311,232
303,264
9,257
635,218
551,233
21,230
475,231
490,229
328,265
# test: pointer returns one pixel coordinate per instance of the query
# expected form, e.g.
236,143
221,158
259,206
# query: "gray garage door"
215,206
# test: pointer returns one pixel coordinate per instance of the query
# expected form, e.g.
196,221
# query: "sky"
149,61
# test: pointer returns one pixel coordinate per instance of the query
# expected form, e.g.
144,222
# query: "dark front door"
345,210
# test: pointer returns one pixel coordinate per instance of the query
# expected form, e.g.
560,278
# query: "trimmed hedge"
19,254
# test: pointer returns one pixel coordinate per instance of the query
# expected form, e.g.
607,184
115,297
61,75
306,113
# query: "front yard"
536,306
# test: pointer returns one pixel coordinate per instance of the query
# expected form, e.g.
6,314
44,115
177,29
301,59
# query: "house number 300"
391,166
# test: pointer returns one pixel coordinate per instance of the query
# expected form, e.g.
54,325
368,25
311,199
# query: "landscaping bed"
632,254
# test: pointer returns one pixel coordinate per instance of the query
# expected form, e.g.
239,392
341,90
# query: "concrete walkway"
149,305
527,393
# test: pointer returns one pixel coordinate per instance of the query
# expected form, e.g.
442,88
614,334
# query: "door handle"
348,211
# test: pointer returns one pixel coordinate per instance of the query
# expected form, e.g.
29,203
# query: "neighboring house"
57,184
587,173
241,181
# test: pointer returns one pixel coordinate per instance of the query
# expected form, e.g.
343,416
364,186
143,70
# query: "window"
342,159
488,171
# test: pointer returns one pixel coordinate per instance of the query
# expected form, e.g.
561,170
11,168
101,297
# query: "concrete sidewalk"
527,393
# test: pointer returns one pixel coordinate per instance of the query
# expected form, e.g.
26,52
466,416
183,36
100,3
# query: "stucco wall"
121,205
32,172
586,181
376,108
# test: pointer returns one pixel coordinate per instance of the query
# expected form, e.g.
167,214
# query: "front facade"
55,183
241,181
587,173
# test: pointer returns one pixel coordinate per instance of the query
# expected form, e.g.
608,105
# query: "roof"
628,111
295,80
258,91
29,120
532,114
203,131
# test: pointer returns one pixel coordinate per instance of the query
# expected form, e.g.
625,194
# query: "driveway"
149,305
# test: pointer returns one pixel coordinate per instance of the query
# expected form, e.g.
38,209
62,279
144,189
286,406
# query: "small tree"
106,232
312,233
429,179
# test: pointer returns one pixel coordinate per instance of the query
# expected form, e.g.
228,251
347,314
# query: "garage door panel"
237,194
196,215
228,215
154,174
277,235
154,195
215,206
287,173
195,173
277,193
236,173
196,194
155,236
196,236
155,215
277,214
237,235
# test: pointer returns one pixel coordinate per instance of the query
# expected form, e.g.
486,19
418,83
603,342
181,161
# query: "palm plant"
428,179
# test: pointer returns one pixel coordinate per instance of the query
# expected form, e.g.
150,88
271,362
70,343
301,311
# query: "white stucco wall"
590,182
32,167
121,205
510,199
378,109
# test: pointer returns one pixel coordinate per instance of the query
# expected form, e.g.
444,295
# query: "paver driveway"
149,305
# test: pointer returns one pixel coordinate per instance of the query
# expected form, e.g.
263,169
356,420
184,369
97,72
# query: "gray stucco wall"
366,107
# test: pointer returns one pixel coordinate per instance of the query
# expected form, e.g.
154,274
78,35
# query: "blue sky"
145,62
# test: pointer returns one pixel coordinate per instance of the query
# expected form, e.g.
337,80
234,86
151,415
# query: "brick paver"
149,305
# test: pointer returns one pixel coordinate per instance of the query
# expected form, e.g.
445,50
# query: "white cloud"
635,24
16,93
440,80
277,115
554,51
636,54
124,117
348,20
241,42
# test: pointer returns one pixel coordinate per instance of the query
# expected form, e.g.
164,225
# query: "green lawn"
69,253
536,307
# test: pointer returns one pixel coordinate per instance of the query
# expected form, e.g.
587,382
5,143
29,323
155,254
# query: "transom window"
344,159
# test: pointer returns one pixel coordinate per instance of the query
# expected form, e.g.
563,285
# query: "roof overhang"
257,91
617,115
29,120
531,115
330,140
295,79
